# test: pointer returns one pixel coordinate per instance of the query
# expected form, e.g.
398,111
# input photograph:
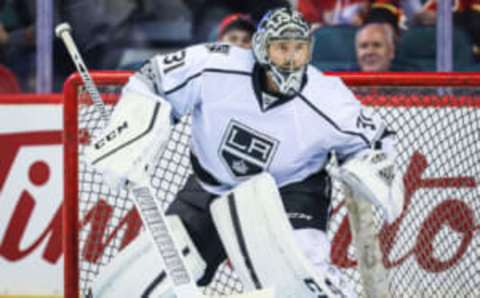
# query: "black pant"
307,204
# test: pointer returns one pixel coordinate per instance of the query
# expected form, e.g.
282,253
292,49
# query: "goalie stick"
149,209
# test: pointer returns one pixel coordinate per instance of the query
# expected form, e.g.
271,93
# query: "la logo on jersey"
246,152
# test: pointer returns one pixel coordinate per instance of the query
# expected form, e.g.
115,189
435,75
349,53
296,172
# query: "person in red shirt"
334,12
357,12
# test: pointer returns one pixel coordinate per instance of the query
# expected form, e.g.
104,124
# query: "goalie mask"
284,25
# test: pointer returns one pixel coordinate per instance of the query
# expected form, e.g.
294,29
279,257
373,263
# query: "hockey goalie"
264,125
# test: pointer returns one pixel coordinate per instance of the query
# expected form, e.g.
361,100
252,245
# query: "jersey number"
365,122
174,60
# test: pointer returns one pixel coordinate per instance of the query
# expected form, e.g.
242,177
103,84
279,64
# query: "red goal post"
431,250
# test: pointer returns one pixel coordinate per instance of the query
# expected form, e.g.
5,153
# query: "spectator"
424,12
375,47
206,14
333,12
3,41
387,11
103,38
237,29
355,12
8,81
17,41
18,38
466,15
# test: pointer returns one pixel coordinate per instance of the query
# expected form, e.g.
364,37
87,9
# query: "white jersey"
238,130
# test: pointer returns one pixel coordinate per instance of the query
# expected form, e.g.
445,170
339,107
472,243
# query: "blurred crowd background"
355,35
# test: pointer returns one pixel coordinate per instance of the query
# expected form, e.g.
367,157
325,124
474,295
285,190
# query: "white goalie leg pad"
372,176
136,271
136,134
259,241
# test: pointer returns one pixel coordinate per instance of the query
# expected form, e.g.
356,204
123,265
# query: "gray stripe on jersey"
317,110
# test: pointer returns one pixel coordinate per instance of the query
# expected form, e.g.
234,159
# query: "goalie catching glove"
134,138
372,176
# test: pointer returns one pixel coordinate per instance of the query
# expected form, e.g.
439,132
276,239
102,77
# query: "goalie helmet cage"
431,250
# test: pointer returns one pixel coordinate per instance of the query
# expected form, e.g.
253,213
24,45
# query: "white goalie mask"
277,25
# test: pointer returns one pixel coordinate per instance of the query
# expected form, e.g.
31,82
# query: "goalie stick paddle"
150,211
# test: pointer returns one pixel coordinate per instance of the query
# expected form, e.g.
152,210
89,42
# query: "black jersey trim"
149,128
217,70
201,172
335,125
241,240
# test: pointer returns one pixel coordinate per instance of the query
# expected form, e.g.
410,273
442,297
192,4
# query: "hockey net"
431,250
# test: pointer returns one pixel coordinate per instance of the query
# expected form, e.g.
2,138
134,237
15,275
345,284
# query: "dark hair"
236,21
380,15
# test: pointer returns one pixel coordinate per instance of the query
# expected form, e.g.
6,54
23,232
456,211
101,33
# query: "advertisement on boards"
439,243
31,194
